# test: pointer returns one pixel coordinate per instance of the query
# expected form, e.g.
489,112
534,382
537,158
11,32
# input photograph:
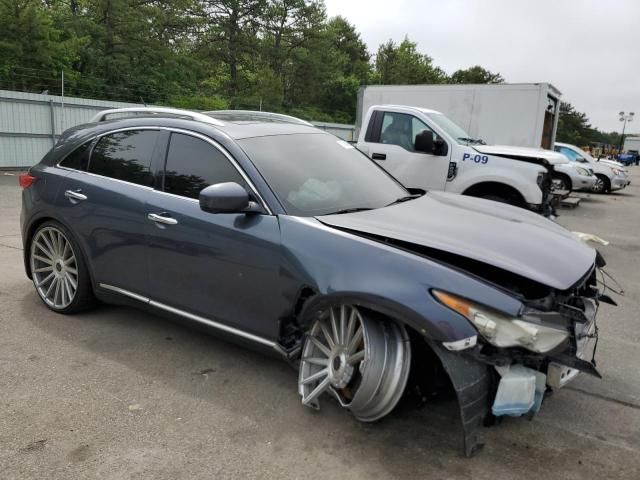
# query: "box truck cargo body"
632,143
524,115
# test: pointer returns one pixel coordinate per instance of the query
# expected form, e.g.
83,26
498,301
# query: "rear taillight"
25,180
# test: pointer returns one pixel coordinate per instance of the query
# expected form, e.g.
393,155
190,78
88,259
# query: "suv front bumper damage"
477,372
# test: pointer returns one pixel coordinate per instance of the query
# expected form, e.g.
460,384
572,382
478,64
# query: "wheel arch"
565,177
495,188
28,237
316,304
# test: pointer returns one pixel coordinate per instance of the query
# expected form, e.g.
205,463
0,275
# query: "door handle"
379,156
159,218
75,196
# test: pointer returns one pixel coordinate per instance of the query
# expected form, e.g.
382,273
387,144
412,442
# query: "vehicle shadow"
245,384
259,396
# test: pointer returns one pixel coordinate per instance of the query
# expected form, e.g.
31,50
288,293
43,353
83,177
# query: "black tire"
606,183
83,297
561,182
510,200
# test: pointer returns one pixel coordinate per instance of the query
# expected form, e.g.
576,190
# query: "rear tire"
58,269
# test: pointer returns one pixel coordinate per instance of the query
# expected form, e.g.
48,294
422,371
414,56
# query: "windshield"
584,154
453,130
317,174
571,154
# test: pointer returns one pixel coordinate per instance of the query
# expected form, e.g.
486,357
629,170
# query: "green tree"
404,65
231,37
475,74
30,48
574,128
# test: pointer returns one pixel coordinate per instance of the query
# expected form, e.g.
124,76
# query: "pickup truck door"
390,141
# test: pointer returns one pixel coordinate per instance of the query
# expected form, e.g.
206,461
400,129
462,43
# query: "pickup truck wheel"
502,199
362,360
560,182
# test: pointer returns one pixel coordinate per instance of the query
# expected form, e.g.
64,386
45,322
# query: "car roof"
234,124
406,107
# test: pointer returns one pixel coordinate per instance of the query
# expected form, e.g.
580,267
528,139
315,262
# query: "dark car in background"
287,238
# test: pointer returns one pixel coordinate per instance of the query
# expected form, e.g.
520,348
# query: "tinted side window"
401,129
125,156
193,164
78,159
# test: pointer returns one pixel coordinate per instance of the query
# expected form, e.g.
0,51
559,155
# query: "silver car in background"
609,175
573,177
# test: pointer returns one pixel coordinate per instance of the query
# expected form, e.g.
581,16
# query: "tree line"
279,55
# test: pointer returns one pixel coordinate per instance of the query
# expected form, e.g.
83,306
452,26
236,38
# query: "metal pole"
53,123
624,126
62,104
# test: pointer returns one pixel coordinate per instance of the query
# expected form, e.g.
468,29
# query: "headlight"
501,330
583,171
615,171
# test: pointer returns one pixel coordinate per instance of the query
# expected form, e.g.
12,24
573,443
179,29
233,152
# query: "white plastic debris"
590,237
520,391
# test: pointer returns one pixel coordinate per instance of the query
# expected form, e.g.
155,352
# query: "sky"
588,49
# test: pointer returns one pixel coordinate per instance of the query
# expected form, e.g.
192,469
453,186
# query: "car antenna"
143,102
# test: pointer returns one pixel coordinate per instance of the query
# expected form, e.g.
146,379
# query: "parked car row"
373,282
610,175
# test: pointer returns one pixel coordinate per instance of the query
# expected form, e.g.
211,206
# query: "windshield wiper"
350,210
404,199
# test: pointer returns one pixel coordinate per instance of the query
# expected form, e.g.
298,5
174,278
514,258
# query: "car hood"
613,163
510,151
507,237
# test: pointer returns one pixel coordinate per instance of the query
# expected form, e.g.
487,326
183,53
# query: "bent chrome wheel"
54,267
363,362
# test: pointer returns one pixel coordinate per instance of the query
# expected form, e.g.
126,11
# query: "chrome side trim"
191,316
127,293
216,325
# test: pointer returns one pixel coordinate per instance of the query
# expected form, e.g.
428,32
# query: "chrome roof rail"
159,111
255,115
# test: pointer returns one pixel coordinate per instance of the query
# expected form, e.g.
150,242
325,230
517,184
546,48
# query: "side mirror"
226,198
424,142
440,148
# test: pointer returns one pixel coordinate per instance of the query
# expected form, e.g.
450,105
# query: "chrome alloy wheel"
363,362
598,187
54,268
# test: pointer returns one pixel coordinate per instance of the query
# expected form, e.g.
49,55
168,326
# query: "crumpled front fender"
472,382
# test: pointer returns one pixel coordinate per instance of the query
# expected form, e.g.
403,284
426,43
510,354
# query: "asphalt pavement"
116,393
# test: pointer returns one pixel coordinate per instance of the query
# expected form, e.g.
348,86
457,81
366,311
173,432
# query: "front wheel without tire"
361,360
58,270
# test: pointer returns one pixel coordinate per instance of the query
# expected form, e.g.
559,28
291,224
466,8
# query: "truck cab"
424,149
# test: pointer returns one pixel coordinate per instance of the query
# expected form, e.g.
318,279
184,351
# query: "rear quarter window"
78,159
125,156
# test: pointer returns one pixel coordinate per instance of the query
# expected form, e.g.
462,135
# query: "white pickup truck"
423,149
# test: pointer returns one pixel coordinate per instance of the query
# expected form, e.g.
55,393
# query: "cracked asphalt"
120,394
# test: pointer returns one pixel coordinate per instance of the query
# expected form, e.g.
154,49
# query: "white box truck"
524,114
631,143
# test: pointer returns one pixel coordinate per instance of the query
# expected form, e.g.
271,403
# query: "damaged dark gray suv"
284,237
